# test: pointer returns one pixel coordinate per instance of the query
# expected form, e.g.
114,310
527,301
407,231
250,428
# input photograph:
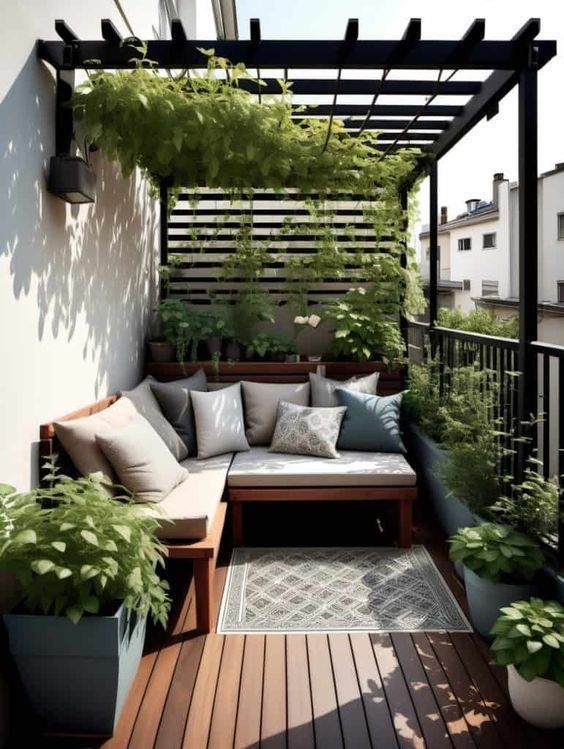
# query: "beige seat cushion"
259,467
78,437
189,510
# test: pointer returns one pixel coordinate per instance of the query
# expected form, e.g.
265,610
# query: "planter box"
77,676
452,512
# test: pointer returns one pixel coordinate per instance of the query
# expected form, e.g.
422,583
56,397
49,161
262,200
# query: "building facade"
478,253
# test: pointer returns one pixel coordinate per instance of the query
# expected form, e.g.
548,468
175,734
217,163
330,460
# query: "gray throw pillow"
307,431
147,405
261,406
220,427
141,460
323,388
372,422
176,404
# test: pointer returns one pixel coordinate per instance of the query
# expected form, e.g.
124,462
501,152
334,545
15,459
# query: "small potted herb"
529,640
214,327
86,567
500,564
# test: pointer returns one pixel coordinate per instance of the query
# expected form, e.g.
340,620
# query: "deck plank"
457,726
323,695
407,726
247,731
201,707
351,708
300,714
224,714
274,722
428,713
376,708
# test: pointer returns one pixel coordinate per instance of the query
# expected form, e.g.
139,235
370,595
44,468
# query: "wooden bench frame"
203,553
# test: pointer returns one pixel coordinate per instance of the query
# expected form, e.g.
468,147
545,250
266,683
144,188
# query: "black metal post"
433,243
64,121
528,262
403,258
163,201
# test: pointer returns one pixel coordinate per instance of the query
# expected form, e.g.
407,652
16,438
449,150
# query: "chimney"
497,178
472,205
444,214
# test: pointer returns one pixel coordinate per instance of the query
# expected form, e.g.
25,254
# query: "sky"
467,170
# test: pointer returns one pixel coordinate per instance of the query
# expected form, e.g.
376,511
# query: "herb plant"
75,550
479,321
265,343
529,635
497,553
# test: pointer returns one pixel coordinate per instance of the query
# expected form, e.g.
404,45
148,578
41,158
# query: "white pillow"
323,388
141,459
220,427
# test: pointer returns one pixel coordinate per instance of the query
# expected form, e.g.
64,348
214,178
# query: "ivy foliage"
76,550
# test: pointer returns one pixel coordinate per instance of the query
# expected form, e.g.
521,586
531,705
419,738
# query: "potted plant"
300,323
172,321
500,564
214,327
529,640
86,566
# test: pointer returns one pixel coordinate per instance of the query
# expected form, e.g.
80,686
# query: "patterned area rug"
291,590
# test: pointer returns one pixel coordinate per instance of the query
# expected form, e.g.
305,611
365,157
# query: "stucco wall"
75,282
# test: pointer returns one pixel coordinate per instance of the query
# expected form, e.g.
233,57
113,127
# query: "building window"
489,240
560,287
490,288
561,226
465,244
466,285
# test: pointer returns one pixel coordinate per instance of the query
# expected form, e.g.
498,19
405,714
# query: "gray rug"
290,590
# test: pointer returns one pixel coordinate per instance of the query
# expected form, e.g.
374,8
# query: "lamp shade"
71,178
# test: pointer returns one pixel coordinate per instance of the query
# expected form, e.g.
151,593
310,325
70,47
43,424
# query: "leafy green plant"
75,550
362,330
532,505
249,309
266,343
529,635
497,553
214,323
479,321
422,400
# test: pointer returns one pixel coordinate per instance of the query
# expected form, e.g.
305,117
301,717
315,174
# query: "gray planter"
233,351
485,599
214,346
77,676
453,513
162,352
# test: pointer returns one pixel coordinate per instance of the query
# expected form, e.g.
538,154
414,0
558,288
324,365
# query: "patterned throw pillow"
302,430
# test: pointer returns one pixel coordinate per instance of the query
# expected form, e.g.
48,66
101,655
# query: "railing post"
163,230
528,260
433,243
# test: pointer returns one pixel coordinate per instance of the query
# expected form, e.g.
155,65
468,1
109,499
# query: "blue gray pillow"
371,423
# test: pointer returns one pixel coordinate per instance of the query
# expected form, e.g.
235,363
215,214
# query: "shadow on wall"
91,269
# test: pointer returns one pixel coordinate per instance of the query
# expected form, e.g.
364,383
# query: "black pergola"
430,114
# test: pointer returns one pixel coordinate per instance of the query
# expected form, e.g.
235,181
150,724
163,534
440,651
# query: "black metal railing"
500,356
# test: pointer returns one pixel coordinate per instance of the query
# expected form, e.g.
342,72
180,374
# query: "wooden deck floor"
298,692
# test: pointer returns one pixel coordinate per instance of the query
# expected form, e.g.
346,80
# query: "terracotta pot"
540,702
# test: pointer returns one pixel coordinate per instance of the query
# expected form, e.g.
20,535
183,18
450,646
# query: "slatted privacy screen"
202,236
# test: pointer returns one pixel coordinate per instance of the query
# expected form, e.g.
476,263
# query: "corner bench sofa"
192,516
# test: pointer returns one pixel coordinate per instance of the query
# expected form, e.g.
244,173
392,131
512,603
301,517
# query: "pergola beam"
424,54
382,110
375,124
367,87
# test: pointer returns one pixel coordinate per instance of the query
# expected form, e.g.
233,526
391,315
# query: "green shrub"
497,553
422,399
75,550
479,321
529,635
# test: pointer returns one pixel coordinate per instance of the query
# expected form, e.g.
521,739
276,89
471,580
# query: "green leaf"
551,641
59,545
74,613
143,99
28,536
123,531
89,537
42,566
533,646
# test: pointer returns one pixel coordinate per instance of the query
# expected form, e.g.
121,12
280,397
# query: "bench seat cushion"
260,468
193,503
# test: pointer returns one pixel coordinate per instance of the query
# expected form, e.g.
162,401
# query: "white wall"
551,268
75,282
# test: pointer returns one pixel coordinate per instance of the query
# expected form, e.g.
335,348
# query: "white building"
478,253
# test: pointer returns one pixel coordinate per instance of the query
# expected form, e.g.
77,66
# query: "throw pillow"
323,388
176,404
141,459
147,405
220,427
307,431
372,422
78,437
261,406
